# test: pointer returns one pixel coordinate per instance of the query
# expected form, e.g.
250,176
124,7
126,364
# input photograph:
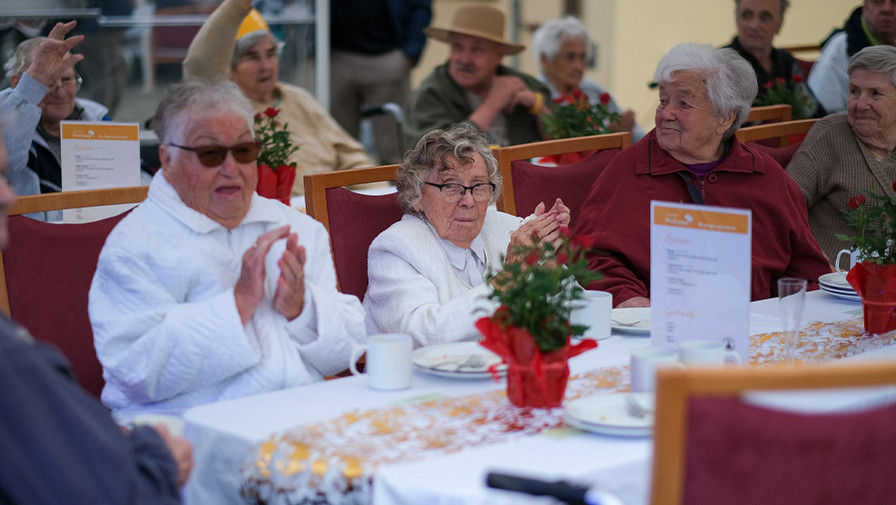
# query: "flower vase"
876,285
276,183
534,379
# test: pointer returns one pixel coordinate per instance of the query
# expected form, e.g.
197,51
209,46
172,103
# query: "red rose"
797,78
604,98
532,258
564,230
271,112
562,258
780,80
257,116
856,202
768,85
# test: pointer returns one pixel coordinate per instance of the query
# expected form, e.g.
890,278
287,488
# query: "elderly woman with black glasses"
206,290
427,271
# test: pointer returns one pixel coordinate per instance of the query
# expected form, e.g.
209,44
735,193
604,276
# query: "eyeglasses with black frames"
212,156
453,192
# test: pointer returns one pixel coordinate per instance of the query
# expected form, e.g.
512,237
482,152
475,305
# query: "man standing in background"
375,44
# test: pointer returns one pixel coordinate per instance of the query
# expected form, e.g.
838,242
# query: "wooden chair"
47,268
711,447
526,184
770,114
352,219
779,140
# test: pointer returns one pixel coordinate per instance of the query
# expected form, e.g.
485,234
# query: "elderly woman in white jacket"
427,272
207,291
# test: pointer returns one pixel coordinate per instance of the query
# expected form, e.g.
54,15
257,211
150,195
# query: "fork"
634,408
473,361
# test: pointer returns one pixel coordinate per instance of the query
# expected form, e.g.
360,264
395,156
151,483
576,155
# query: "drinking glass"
791,301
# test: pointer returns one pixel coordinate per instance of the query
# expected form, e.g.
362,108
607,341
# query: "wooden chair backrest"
507,155
677,389
782,130
770,113
371,215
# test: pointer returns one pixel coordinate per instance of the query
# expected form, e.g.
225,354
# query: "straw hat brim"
444,35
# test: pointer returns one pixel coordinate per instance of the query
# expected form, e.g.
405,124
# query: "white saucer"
835,280
633,320
443,360
606,414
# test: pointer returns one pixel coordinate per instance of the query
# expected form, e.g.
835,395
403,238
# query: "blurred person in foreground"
236,43
562,49
43,92
474,86
206,290
427,271
59,444
872,24
758,21
845,155
693,156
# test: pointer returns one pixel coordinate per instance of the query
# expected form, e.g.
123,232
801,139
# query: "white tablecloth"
225,433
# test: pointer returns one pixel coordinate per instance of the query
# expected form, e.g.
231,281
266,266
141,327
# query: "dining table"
338,441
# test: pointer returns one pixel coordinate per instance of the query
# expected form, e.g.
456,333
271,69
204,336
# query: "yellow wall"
632,36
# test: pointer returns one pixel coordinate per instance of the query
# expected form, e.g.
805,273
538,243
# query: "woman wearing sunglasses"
206,290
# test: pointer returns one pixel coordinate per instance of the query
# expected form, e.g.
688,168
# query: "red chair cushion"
745,454
49,268
782,155
534,183
355,220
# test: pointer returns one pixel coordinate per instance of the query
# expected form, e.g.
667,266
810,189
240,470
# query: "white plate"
443,360
835,280
840,294
606,414
635,320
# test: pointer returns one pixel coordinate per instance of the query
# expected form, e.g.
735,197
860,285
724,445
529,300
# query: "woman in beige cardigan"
253,64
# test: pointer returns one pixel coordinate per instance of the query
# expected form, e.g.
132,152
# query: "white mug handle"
837,263
357,351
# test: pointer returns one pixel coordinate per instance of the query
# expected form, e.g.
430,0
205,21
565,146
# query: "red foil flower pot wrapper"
876,285
534,379
276,183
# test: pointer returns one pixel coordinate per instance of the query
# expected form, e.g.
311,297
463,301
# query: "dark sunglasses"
213,156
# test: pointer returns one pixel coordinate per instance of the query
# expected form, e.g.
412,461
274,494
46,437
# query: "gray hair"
730,79
245,43
21,58
194,97
785,4
549,38
880,59
432,151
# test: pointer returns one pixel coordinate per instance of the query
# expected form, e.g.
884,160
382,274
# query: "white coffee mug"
645,362
706,352
853,259
388,364
593,310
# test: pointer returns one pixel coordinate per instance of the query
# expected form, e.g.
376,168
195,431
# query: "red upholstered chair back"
570,182
712,447
786,138
353,219
534,183
46,273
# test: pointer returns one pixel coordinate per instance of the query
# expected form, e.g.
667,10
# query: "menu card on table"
700,275
96,156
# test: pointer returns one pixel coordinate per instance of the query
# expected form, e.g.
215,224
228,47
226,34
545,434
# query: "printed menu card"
700,275
99,155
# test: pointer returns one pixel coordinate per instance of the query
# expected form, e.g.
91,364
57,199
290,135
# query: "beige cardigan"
324,146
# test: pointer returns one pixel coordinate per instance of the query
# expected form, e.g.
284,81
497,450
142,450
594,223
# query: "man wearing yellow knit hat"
253,65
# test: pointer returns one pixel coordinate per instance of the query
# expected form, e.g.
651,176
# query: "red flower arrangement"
576,116
276,173
531,329
793,93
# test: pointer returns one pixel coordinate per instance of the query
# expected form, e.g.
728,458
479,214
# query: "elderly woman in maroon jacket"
693,156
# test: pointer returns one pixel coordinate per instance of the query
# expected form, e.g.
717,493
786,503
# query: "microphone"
562,490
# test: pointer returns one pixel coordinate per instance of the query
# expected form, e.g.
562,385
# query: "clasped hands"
289,296
541,226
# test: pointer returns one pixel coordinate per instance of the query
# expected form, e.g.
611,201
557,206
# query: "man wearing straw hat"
235,42
474,86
